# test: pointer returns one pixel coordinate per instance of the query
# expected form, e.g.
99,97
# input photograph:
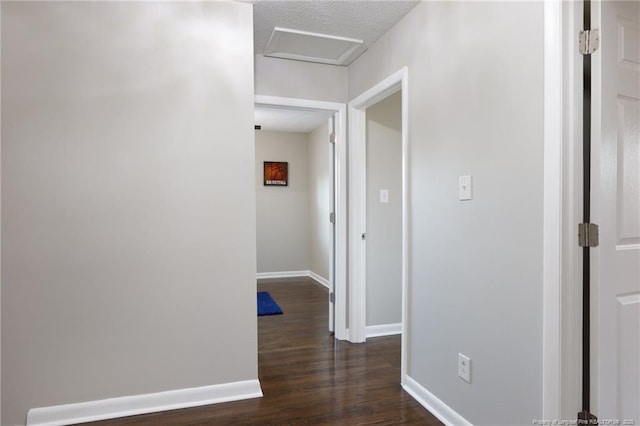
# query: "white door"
616,190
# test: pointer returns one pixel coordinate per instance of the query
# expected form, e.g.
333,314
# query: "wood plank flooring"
307,377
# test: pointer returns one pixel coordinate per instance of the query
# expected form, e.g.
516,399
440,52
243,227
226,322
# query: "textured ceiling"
362,20
279,119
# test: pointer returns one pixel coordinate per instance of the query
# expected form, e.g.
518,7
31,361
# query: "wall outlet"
464,367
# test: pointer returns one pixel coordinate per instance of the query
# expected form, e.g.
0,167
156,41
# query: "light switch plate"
465,188
384,196
464,368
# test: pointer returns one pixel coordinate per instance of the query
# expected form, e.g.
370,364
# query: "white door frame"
562,211
552,213
340,160
357,203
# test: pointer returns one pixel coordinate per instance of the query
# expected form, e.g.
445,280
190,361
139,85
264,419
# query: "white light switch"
464,368
465,188
384,196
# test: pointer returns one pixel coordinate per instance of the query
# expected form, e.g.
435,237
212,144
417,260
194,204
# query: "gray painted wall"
283,212
384,220
298,79
475,107
320,182
293,221
128,200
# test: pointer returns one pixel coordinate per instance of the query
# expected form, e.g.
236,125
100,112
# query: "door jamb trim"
562,173
357,205
340,283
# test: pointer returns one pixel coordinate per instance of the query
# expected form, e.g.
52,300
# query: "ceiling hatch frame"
287,43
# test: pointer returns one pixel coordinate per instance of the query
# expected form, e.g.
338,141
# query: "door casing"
357,204
338,282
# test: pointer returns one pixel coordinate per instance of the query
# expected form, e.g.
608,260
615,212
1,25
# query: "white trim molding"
442,411
295,274
113,408
562,201
320,279
297,103
552,211
383,330
282,274
398,81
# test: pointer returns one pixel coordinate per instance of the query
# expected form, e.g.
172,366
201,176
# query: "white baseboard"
442,411
142,404
319,279
383,330
294,274
282,274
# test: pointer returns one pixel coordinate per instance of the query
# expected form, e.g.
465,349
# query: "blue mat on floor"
266,305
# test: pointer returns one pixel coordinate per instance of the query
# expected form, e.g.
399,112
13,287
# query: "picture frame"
276,173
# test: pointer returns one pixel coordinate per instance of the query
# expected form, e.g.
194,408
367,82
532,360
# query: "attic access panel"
313,47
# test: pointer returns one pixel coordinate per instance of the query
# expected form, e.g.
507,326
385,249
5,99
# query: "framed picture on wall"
276,173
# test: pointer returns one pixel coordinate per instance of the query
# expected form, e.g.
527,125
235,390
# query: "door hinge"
332,217
332,297
589,41
332,138
588,235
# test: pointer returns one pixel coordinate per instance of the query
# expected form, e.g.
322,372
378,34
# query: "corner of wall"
0,219
442,411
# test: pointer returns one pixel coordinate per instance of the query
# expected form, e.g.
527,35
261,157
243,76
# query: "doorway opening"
310,208
369,202
383,250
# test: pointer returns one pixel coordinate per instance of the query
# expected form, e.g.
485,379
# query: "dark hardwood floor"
307,377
